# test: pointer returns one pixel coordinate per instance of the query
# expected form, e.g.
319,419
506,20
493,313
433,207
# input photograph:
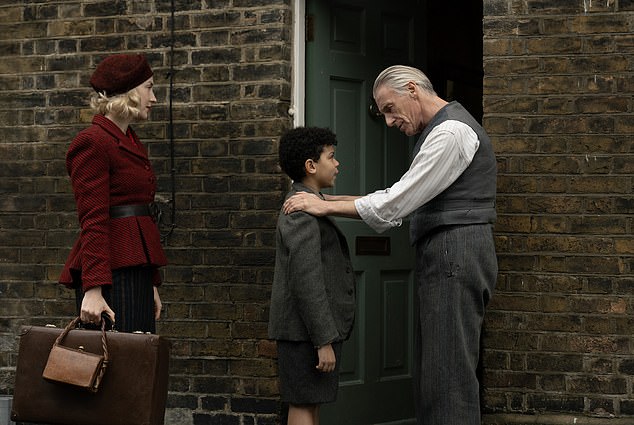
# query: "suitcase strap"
104,345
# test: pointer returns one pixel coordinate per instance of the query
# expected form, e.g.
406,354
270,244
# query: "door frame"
298,101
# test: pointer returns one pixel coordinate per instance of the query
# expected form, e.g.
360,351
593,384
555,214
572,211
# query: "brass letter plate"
372,245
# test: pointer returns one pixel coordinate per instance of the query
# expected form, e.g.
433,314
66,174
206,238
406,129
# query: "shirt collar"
300,187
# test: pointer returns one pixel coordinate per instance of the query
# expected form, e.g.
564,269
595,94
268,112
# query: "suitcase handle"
73,324
104,344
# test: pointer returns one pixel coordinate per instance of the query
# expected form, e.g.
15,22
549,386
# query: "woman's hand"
327,360
93,305
158,306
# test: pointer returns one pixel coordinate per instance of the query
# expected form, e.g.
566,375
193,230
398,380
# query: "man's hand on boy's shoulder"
307,202
342,206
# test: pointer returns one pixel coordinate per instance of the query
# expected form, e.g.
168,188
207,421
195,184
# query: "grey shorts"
300,382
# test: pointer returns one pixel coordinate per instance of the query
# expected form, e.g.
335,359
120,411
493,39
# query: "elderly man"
449,190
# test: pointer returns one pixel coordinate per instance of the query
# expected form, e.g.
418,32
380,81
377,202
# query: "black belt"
121,211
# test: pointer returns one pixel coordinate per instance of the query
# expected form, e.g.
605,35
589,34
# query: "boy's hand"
327,358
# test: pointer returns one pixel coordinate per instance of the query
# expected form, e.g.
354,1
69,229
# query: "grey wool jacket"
313,295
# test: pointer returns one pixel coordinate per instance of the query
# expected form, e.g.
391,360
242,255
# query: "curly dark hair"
300,144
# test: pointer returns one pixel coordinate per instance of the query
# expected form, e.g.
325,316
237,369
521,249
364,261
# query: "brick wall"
558,85
230,101
559,77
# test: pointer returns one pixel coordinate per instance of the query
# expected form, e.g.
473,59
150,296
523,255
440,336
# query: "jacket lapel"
122,140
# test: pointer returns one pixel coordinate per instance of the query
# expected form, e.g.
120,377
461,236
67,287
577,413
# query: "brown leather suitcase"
133,390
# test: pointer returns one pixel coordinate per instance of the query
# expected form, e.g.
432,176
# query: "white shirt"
447,152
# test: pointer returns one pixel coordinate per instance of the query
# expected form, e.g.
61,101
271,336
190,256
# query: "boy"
313,296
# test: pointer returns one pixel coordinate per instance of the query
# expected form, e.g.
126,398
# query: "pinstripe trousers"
131,297
456,272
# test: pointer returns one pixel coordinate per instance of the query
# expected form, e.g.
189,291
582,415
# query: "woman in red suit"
114,264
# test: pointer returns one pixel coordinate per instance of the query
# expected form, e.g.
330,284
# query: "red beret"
118,74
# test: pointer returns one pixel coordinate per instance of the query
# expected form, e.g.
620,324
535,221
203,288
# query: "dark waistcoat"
471,198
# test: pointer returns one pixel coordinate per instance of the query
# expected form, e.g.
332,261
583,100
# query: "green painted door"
348,43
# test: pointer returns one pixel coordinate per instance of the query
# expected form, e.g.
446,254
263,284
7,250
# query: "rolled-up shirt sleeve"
446,153
374,218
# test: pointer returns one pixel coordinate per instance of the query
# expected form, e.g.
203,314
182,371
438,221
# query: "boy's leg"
307,414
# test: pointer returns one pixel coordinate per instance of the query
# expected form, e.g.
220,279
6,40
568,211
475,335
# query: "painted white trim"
298,107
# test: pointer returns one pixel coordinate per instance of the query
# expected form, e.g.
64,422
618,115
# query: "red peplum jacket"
109,168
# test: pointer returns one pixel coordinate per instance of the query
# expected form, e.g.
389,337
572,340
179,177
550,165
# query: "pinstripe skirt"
131,297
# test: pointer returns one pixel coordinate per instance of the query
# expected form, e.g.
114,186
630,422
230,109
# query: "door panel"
395,342
375,378
345,97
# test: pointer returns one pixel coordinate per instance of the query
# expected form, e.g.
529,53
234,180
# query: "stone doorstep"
552,419
5,410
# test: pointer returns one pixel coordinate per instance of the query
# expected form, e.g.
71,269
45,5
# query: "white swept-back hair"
397,77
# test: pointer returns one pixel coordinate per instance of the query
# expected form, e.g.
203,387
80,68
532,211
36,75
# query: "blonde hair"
122,105
398,76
